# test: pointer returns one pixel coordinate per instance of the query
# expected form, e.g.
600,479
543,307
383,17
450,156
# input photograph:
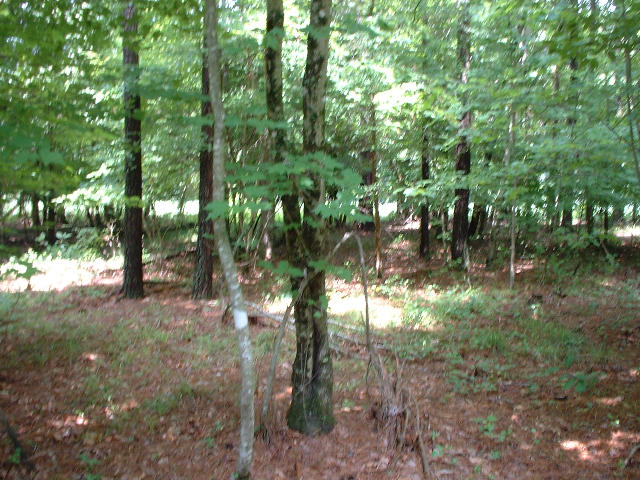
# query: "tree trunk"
476,224
588,213
605,219
374,179
247,389
203,270
567,218
132,284
629,89
50,222
35,211
273,92
508,152
311,409
424,208
460,229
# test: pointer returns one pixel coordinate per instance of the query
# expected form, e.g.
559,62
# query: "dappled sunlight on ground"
59,274
627,232
601,449
148,388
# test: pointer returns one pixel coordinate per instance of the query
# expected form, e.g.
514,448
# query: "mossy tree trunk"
132,284
311,409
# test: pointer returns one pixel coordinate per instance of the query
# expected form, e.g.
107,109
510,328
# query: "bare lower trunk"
35,211
203,270
460,228
588,214
245,449
132,283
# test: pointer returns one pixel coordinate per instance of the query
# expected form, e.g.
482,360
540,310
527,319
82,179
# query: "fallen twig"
426,466
633,451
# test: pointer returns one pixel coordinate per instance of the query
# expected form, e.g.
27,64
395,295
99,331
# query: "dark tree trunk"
588,213
273,93
90,217
424,208
203,270
35,211
479,212
50,222
132,285
567,218
617,215
605,220
460,228
62,215
311,409
482,224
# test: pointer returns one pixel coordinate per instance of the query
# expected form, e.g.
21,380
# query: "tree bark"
311,409
203,270
49,223
588,211
35,210
247,389
132,286
275,112
477,220
628,96
374,179
512,227
424,208
460,229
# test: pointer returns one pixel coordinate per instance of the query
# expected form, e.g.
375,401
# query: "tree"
460,229
203,270
311,409
424,208
132,286
241,322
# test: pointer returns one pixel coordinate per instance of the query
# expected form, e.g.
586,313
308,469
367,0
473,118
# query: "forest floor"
537,382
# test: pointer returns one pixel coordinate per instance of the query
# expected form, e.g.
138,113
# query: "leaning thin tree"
245,451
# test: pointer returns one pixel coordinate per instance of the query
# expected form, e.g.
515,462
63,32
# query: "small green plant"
489,339
210,440
16,456
346,403
579,381
488,428
90,464
438,450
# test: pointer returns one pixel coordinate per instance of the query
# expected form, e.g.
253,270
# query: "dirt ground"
101,387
